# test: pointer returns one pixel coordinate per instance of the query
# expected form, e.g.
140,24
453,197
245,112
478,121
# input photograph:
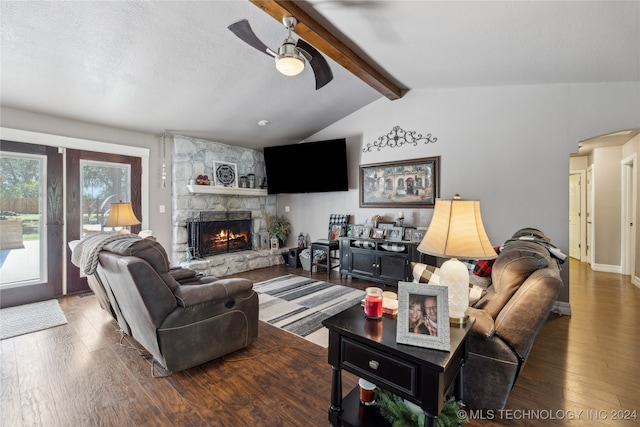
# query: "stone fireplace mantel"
237,191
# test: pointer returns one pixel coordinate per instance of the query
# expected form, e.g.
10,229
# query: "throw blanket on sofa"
85,254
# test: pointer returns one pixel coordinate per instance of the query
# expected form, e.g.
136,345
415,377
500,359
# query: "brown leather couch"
181,318
525,284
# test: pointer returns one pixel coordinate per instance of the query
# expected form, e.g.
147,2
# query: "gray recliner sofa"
181,318
525,284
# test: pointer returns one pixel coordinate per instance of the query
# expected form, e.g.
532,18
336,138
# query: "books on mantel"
389,303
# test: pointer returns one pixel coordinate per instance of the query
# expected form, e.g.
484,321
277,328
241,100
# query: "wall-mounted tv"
309,167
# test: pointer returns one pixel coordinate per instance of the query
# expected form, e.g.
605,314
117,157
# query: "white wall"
506,146
160,223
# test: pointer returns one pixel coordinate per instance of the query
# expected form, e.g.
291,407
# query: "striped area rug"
299,305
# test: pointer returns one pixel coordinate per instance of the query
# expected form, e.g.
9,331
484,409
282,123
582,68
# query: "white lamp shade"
456,231
121,215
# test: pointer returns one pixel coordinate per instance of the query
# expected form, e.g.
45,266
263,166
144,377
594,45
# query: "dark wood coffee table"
368,348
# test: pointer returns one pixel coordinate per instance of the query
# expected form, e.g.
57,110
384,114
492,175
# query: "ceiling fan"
291,55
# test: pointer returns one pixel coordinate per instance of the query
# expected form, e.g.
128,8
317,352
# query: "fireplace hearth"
213,233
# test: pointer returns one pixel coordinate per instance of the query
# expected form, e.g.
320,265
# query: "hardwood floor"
79,375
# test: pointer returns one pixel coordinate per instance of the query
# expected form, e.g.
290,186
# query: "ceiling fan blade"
243,30
320,66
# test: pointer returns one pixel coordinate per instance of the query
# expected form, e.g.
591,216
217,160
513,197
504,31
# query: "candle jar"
367,392
373,303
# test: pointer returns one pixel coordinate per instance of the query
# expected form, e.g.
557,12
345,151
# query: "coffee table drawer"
380,368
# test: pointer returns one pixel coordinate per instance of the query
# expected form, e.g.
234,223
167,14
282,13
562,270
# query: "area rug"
24,319
299,305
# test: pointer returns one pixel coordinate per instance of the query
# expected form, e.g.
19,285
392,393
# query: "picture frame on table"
385,225
395,234
413,183
433,301
364,232
225,174
417,235
378,233
337,231
407,233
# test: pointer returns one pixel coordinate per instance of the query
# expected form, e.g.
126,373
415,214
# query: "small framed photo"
364,232
394,234
337,231
423,316
378,233
417,235
386,225
408,233
225,174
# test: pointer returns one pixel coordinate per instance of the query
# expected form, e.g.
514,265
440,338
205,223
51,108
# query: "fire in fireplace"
212,233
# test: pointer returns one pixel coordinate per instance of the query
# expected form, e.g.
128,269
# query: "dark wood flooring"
583,370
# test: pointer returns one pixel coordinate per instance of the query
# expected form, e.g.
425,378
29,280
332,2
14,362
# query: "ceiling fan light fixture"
289,62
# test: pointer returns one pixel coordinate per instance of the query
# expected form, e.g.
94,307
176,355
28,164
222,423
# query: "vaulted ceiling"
154,65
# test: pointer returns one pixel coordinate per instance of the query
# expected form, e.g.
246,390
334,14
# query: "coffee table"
368,348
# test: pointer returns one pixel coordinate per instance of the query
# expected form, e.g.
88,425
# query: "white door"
628,214
589,239
574,215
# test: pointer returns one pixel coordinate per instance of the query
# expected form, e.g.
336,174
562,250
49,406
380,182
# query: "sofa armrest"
483,324
520,320
220,289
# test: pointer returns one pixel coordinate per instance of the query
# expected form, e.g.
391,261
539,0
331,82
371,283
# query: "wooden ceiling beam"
322,39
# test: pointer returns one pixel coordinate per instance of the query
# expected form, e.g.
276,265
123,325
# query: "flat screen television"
309,167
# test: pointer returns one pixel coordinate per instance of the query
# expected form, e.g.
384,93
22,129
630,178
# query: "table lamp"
121,215
456,231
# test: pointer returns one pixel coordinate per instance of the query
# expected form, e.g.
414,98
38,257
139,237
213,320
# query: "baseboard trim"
607,268
636,281
562,308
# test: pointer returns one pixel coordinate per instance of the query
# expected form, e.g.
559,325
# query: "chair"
181,318
337,228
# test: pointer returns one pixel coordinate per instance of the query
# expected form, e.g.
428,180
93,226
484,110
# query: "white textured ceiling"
155,65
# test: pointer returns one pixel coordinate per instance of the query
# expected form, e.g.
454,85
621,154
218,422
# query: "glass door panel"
23,240
102,183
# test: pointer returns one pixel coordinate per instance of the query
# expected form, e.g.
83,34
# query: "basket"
305,260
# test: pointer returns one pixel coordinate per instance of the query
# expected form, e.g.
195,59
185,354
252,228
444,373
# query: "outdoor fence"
19,205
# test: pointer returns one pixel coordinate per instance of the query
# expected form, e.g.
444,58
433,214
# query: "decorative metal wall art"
398,137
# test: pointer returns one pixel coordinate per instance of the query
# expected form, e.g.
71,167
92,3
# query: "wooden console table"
377,261
368,348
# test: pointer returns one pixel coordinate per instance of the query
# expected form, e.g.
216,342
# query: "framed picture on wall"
407,183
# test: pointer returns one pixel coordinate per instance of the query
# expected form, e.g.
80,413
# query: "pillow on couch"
423,273
483,267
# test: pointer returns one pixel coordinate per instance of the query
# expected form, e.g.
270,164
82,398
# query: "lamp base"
124,230
458,322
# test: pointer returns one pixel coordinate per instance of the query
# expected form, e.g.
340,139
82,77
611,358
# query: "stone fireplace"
198,207
212,233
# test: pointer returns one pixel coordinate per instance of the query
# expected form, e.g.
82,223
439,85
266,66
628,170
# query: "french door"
94,180
32,264
32,180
